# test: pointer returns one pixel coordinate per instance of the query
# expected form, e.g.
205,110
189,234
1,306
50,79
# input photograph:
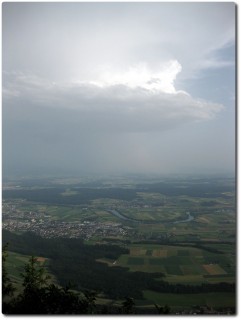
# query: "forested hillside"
73,261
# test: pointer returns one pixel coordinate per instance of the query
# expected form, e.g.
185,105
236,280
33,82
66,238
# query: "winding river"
123,217
189,218
119,215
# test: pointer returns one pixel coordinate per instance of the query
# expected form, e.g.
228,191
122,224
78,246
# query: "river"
189,218
119,215
123,217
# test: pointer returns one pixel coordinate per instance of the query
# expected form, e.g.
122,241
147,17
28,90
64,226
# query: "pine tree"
34,277
7,287
128,306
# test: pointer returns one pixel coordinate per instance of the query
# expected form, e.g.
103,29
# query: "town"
15,220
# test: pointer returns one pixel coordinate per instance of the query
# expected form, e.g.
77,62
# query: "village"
40,223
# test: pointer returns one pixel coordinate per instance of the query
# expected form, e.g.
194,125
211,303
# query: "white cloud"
71,41
215,63
137,100
141,76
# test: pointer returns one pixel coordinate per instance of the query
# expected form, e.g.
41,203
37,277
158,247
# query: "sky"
112,88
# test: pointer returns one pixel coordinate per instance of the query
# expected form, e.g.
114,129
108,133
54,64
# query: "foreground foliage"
40,297
73,261
77,261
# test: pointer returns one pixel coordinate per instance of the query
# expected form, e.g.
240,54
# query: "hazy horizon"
112,88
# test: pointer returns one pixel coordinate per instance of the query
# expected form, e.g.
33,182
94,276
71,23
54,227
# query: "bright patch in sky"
141,76
122,102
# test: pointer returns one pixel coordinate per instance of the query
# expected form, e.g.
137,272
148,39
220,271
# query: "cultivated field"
180,264
184,229
188,301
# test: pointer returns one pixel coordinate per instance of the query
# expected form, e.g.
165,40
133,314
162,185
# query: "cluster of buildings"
41,224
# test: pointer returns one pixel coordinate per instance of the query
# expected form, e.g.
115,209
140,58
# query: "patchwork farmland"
178,264
181,232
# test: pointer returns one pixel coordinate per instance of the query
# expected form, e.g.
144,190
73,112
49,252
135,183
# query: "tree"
90,298
7,287
127,306
163,310
32,299
41,297
34,277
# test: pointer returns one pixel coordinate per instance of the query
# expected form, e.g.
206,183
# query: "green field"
180,301
158,234
15,267
180,264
